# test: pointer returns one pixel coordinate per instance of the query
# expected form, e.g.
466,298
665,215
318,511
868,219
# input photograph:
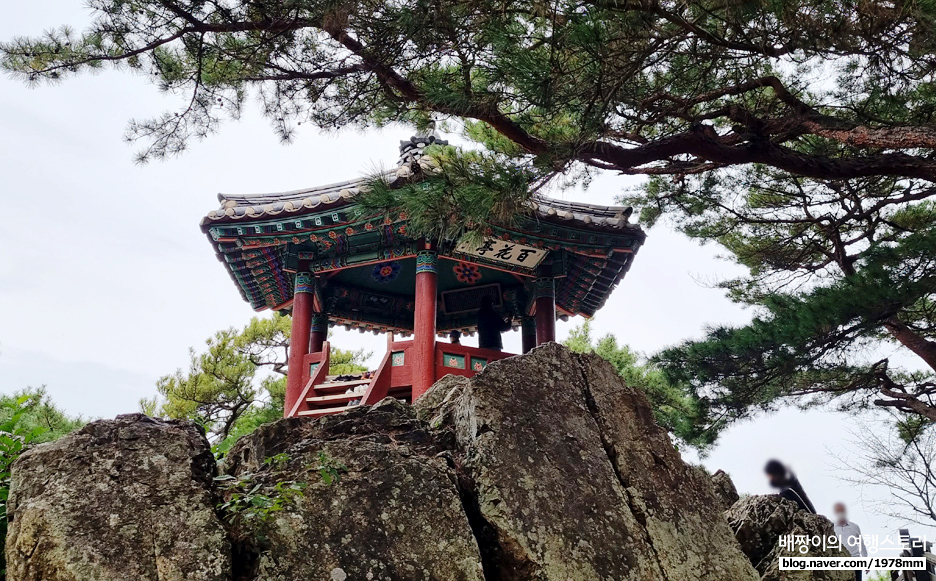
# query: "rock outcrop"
760,521
545,467
573,479
725,489
393,514
120,499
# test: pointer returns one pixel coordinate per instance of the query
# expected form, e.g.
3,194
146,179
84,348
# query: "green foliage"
14,437
837,272
251,501
257,415
253,505
676,411
216,390
329,468
225,388
347,362
238,383
457,191
38,414
833,89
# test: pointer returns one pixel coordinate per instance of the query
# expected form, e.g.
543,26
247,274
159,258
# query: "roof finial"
412,149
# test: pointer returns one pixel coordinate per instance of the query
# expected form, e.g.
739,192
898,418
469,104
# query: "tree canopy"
840,273
239,381
829,89
35,413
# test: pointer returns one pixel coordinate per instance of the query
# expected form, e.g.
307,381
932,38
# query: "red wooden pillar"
303,296
424,323
318,333
528,333
545,310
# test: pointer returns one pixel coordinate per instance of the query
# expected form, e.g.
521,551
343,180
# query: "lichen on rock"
130,498
759,521
395,512
573,478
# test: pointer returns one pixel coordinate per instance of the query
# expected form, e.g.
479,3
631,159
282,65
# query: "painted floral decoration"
467,272
478,366
385,272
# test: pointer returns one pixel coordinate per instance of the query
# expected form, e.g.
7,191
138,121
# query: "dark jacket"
490,327
792,490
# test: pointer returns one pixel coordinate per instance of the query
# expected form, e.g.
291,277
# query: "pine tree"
840,273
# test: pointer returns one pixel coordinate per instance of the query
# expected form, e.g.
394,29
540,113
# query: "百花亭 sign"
503,251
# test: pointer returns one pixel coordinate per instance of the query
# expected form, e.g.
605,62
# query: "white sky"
106,279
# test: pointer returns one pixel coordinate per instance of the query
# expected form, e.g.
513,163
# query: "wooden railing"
394,376
454,359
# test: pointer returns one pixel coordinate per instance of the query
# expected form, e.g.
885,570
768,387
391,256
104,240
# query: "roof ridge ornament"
411,151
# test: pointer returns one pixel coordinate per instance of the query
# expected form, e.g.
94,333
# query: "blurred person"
782,478
490,326
849,534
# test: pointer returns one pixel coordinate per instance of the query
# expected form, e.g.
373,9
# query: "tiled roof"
250,233
255,206
252,206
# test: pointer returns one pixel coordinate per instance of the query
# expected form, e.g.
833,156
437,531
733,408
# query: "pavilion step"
334,399
325,411
334,386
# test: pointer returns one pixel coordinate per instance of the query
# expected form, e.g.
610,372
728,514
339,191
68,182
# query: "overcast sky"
106,279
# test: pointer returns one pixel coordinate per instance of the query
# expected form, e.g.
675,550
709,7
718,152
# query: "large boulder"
120,499
570,477
758,523
394,513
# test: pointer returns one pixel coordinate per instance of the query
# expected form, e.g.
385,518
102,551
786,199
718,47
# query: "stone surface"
545,467
395,514
725,490
760,521
572,479
120,499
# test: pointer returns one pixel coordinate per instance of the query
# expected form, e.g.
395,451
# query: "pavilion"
313,254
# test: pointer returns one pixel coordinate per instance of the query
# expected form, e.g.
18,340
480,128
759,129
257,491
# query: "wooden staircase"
340,393
324,394
334,395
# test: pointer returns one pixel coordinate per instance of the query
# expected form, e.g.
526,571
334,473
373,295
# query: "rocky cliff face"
131,498
573,479
395,512
544,467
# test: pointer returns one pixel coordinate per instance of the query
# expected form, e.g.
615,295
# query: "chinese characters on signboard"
504,251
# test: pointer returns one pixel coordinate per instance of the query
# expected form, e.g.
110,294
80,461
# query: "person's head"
841,514
487,303
455,336
776,473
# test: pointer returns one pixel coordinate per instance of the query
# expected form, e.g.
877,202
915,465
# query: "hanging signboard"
503,251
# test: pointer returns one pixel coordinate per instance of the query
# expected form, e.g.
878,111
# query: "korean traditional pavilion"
312,253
